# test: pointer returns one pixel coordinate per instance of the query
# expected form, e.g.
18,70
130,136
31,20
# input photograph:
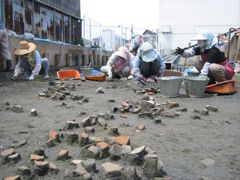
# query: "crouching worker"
213,62
119,64
148,65
30,60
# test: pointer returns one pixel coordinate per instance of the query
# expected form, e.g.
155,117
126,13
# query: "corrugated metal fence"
42,20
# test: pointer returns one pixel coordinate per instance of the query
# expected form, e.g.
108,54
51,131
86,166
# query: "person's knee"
103,69
126,71
216,68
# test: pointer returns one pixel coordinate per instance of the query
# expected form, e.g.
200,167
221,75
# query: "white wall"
108,37
185,18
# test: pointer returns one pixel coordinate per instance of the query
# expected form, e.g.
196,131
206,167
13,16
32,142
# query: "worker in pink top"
119,64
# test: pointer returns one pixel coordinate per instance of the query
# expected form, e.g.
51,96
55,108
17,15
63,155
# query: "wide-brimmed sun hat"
147,53
122,52
24,47
199,37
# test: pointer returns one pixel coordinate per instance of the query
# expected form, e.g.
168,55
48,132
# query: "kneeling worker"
30,60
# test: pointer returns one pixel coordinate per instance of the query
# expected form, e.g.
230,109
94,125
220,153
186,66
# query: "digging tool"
186,57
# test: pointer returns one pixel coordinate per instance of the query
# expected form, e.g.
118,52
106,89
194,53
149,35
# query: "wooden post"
79,60
69,59
57,59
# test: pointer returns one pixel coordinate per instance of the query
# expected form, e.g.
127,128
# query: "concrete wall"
181,20
63,55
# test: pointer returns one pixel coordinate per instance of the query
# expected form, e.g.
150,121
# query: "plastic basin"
170,85
195,86
68,74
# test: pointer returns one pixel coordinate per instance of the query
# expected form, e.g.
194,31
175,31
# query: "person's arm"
162,65
205,69
38,64
18,68
136,68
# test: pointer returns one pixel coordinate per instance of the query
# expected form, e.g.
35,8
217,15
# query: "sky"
140,14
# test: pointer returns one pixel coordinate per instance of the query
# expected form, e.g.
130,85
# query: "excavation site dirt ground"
191,145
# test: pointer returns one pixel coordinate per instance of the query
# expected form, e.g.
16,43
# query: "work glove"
31,77
130,77
14,77
110,74
179,51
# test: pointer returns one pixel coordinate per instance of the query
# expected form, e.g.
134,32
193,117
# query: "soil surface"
190,149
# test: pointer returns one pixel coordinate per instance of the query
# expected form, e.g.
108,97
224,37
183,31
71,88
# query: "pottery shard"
84,140
33,112
91,152
86,122
211,108
41,167
110,140
137,155
126,149
205,112
122,140
20,143
90,130
140,127
103,149
115,152
131,173
80,171
71,125
136,109
17,109
102,122
24,170
111,170
13,178
71,137
7,152
89,165
114,130
108,116
34,157
14,158
63,154
54,136
172,104
150,165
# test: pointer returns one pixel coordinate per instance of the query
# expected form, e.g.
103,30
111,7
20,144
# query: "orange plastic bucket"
67,74
225,87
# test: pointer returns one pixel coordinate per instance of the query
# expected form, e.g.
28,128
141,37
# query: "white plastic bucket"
170,85
195,86
86,71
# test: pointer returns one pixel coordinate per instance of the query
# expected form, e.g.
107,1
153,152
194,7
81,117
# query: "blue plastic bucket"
231,64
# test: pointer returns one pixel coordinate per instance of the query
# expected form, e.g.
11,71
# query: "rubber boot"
9,66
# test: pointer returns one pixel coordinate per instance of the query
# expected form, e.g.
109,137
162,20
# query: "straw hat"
24,47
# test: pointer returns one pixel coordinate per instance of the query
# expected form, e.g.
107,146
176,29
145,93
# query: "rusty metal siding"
76,30
69,6
37,20
41,20
59,26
